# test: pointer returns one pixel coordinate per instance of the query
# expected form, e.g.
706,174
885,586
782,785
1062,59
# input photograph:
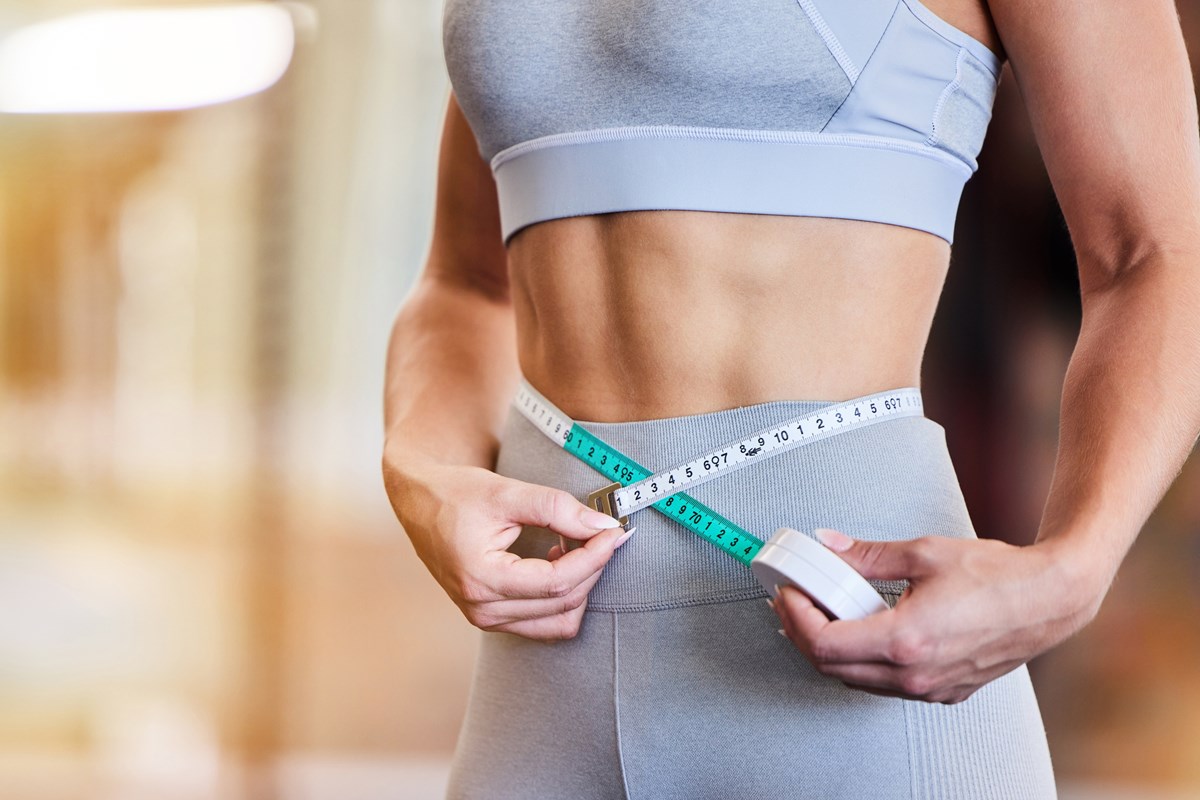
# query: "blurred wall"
201,579
203,592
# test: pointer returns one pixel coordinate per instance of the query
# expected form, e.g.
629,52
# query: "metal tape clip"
603,501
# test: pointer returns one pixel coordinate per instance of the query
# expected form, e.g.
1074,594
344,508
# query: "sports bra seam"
982,64
959,40
867,63
951,88
621,133
832,43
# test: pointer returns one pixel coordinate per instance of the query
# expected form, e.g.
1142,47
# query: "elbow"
1125,253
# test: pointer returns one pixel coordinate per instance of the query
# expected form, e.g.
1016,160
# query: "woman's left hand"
974,610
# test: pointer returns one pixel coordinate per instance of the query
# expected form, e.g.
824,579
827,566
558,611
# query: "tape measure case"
790,558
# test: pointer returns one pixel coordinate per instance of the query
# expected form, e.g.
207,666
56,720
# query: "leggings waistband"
890,480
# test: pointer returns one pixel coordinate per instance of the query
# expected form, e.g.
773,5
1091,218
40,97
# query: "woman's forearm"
977,609
452,367
451,370
1130,414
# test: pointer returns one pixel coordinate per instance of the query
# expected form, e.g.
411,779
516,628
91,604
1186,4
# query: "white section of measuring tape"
541,412
826,422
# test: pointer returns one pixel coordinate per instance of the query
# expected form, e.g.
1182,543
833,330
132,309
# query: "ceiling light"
144,59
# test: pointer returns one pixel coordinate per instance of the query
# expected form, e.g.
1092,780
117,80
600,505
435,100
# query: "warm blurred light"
144,59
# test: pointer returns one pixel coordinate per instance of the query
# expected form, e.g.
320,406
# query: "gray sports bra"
859,109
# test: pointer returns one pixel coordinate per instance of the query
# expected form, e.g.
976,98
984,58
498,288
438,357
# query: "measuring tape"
634,487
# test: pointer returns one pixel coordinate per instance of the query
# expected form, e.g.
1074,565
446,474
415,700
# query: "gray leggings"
677,685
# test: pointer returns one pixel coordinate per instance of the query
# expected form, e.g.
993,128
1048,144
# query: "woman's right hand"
462,519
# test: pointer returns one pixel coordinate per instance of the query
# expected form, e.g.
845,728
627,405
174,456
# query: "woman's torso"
649,314
654,313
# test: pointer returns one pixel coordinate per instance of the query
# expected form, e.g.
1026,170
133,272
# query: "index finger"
532,578
842,640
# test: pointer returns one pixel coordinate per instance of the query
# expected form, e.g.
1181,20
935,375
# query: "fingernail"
834,540
771,603
624,536
597,519
781,632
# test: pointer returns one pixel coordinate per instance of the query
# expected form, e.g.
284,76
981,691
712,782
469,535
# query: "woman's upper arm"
467,246
1110,96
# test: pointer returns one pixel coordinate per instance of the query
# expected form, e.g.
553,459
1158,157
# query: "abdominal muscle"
639,315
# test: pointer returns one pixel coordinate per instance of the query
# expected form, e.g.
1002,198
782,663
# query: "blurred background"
203,590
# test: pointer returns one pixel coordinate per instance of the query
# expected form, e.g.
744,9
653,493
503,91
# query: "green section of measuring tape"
681,507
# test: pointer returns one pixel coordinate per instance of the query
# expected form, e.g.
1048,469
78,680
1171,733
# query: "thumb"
887,560
555,509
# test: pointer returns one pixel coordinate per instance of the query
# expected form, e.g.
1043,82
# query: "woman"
682,223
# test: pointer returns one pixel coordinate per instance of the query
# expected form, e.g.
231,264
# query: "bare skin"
638,315
806,308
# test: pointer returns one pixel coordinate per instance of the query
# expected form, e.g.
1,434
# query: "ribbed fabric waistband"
891,480
716,169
